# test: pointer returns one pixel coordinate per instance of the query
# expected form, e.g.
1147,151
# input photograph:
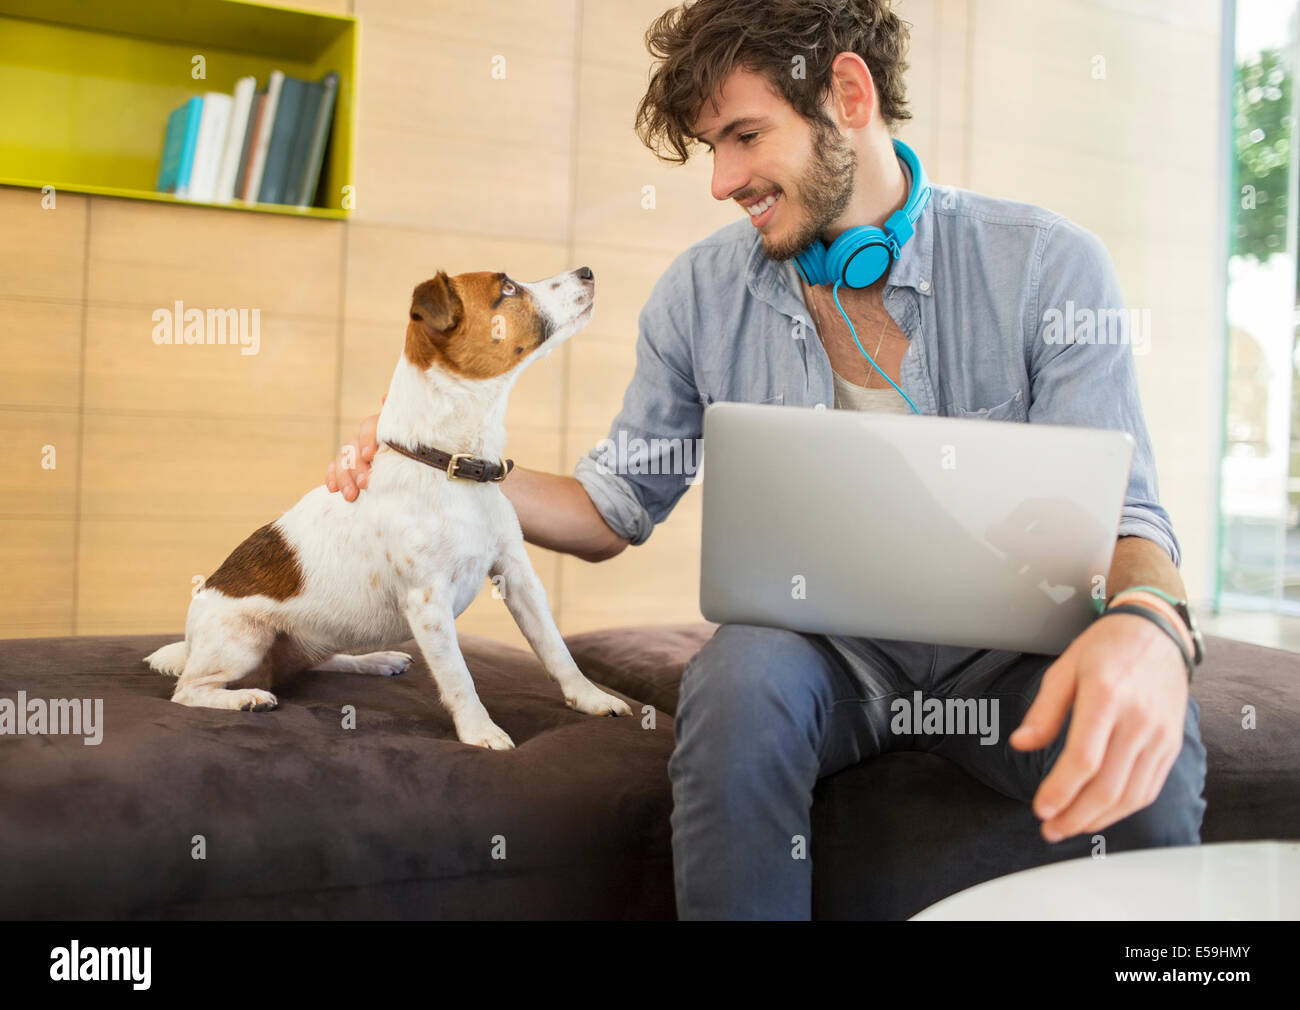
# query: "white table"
1227,881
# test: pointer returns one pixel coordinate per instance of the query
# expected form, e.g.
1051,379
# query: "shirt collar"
912,269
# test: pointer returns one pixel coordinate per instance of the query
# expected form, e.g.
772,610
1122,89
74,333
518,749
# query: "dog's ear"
437,308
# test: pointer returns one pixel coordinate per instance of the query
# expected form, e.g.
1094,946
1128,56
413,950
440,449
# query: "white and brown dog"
330,577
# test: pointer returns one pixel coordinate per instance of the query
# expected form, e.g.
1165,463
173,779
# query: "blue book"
195,106
178,147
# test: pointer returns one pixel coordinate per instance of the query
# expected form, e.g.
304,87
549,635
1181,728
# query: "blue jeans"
764,713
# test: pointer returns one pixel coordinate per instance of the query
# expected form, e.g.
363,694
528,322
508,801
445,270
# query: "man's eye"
744,137
508,288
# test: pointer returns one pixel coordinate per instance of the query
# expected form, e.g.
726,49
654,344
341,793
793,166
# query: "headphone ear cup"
812,264
866,265
856,254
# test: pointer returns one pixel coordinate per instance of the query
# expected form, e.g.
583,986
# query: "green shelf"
86,88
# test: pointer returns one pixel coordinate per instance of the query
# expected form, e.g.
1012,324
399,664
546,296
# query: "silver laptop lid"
985,534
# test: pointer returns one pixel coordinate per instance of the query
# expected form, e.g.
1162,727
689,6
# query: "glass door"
1259,508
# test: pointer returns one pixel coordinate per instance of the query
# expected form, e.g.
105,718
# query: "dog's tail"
170,659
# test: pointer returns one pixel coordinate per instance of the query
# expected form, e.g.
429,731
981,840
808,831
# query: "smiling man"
795,102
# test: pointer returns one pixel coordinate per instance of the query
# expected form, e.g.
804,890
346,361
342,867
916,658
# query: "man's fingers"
1042,723
344,475
1108,795
368,438
1081,757
1153,769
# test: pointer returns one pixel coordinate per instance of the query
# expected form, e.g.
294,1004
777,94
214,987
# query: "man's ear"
436,307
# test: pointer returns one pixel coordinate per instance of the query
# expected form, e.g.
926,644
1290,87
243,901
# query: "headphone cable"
835,292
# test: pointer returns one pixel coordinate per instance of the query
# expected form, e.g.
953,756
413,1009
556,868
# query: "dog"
331,579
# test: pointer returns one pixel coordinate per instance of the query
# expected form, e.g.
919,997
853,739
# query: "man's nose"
728,177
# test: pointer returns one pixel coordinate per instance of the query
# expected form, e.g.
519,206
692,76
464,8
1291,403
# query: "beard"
822,193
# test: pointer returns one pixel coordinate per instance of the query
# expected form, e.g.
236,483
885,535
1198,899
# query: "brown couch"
301,817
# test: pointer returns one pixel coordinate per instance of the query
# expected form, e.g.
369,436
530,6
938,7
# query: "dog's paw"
487,735
594,701
387,664
253,699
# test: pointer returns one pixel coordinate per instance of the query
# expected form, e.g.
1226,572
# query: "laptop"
949,531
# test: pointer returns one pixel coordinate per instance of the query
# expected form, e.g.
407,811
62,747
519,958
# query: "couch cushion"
643,661
303,818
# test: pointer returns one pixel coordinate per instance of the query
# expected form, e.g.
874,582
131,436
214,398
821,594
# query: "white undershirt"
850,396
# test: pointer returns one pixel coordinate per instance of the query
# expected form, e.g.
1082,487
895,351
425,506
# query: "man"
961,325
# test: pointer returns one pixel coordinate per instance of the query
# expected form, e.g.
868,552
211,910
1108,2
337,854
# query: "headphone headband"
920,194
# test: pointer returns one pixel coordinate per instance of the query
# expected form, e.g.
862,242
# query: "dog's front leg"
433,625
525,598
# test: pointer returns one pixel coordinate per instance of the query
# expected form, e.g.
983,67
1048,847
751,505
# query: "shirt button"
924,285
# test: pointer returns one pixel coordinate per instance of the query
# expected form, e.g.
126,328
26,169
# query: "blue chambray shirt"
990,294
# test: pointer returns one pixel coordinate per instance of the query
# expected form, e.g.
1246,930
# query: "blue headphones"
861,255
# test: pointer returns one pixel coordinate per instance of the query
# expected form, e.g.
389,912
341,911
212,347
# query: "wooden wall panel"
195,468
292,374
38,557
152,254
40,344
39,478
43,251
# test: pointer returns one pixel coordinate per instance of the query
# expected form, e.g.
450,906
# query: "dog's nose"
585,274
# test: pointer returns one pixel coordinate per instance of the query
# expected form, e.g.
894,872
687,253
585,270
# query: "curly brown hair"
699,44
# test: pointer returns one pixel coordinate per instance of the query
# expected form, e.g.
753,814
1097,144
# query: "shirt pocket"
1012,409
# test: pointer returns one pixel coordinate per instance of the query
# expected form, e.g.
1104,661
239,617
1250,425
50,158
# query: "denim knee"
744,688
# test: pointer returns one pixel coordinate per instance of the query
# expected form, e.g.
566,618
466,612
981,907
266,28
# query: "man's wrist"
1149,599
1156,617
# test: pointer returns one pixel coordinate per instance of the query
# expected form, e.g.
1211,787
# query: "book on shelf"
178,148
288,112
262,139
257,145
307,171
214,123
246,150
245,91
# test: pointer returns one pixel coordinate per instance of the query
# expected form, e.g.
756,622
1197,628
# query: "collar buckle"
451,465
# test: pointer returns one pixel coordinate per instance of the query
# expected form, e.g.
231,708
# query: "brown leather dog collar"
460,465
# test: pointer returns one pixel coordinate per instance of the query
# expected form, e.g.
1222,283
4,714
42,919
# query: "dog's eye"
508,288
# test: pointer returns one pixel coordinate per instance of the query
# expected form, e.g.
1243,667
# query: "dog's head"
482,325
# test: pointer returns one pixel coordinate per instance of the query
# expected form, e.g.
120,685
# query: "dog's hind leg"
222,652
380,664
170,659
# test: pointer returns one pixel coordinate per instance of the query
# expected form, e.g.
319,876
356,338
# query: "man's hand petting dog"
1127,684
350,469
